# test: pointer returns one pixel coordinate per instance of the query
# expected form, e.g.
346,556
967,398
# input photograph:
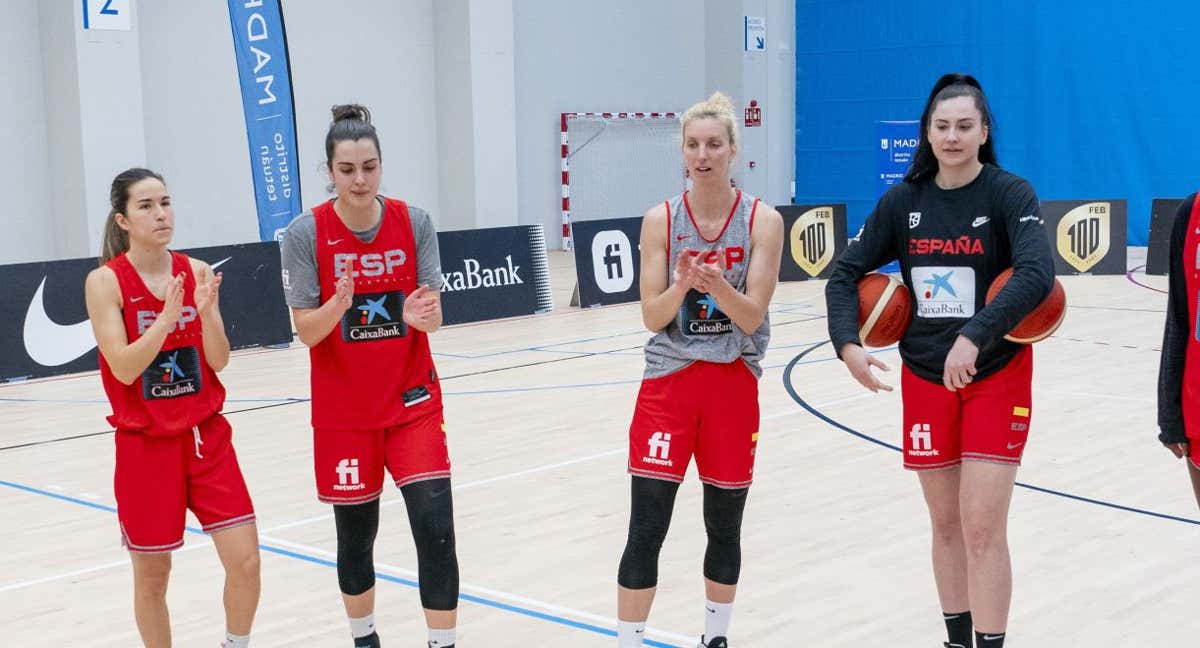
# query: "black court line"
1118,308
787,385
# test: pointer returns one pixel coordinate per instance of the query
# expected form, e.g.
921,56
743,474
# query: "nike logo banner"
46,331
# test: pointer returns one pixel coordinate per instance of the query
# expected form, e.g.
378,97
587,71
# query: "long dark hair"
925,164
116,239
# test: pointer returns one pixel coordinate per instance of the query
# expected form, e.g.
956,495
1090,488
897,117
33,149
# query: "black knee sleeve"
431,516
723,510
357,525
652,501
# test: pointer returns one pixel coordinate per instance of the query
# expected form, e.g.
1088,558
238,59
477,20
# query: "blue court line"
787,384
381,576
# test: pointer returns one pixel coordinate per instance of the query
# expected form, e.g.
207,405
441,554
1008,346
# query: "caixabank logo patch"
173,373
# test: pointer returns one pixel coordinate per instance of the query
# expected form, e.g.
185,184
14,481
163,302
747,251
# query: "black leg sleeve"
431,516
653,500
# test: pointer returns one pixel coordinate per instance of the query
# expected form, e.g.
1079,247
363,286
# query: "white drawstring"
196,436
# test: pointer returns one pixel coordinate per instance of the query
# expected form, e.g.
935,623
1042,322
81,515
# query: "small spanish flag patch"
1021,411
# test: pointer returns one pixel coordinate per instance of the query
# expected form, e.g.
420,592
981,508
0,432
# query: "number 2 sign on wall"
107,14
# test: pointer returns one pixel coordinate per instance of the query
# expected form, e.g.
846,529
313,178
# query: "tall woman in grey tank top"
710,260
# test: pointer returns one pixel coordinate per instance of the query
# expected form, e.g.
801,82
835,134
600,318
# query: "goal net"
617,165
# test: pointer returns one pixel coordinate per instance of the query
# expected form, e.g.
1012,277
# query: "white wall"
113,137
621,55
378,53
494,119
195,128
455,109
467,103
57,24
25,164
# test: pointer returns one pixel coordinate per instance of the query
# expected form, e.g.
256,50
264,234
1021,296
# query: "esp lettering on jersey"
146,318
373,264
967,245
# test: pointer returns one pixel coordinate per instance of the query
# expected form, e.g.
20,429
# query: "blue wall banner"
260,46
897,144
1049,70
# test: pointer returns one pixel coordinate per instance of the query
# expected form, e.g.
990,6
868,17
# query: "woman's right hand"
859,362
686,269
343,295
172,303
1180,450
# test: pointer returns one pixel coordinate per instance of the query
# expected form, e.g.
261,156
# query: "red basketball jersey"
1191,366
372,370
178,389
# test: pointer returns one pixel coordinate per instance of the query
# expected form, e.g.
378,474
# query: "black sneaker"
715,642
369,641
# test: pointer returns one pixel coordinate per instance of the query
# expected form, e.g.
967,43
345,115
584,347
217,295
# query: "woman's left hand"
207,294
959,370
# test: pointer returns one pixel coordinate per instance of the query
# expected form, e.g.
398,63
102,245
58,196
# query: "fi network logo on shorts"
612,261
660,449
922,441
347,472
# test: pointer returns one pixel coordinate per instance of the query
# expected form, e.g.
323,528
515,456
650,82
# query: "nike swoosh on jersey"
49,343
218,263
333,242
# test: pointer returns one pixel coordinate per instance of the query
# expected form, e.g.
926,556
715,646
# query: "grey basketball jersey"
700,331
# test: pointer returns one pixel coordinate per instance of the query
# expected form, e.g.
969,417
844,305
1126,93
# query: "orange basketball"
1043,320
884,308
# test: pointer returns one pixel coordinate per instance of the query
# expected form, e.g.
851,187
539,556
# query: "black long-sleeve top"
1176,334
951,244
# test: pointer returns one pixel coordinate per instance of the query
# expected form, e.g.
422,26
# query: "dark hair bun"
351,111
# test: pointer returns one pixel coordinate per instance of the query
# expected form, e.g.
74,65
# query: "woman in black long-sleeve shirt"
955,223
1179,370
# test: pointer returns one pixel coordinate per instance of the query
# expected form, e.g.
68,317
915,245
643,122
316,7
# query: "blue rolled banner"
260,46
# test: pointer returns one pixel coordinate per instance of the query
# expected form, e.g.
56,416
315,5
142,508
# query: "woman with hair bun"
361,273
710,262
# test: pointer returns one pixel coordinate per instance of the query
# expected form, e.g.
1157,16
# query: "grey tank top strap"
700,331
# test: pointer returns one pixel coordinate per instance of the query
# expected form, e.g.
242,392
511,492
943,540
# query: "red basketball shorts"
705,409
158,478
349,464
986,421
